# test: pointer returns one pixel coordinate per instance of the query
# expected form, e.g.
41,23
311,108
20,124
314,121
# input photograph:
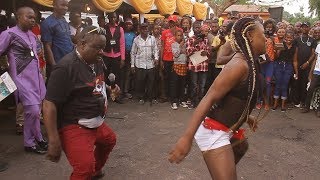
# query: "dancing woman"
227,104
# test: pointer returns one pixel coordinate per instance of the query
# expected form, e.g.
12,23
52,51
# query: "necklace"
30,46
90,65
307,43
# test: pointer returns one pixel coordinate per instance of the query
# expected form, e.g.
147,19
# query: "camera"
200,36
221,33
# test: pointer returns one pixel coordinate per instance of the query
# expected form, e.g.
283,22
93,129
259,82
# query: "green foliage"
315,7
293,18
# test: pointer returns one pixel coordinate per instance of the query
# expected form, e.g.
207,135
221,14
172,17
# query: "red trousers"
87,150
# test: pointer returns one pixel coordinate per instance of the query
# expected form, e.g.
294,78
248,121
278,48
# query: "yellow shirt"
215,42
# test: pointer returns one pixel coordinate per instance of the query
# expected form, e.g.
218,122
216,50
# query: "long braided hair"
240,44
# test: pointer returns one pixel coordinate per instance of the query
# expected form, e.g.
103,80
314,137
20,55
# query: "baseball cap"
173,18
305,24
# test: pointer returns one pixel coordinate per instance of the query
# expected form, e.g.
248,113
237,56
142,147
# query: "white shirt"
317,67
144,52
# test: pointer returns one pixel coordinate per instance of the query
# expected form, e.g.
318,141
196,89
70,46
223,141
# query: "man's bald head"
60,7
25,18
23,10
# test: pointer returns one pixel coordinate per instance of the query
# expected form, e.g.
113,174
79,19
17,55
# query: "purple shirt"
21,48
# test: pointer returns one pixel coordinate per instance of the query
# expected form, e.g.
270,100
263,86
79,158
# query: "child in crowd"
179,71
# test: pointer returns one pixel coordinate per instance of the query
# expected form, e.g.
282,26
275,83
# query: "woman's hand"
181,150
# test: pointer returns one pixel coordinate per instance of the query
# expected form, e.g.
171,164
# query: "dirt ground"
286,146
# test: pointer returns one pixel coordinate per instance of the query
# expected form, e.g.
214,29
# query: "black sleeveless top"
229,110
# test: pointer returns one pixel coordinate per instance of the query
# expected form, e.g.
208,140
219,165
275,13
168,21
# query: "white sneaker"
141,101
174,106
184,104
297,105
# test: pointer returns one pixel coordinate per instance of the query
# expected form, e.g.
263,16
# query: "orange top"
270,49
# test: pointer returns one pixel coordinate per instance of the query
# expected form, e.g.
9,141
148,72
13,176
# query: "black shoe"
98,176
43,144
19,129
35,149
283,109
304,110
119,101
3,166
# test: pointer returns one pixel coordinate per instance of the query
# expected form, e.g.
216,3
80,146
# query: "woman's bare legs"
221,163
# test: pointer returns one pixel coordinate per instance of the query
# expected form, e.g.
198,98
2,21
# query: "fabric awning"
184,7
200,11
166,6
47,3
107,5
142,6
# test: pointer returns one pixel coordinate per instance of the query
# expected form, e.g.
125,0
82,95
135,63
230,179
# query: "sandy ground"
286,146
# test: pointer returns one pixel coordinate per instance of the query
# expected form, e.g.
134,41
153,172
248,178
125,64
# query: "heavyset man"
74,115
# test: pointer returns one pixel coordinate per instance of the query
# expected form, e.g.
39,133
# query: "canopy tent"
183,7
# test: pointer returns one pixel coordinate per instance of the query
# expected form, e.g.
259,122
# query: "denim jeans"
267,72
198,81
282,73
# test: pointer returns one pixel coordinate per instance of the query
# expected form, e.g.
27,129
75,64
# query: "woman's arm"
225,54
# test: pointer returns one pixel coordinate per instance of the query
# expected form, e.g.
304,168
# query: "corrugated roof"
247,8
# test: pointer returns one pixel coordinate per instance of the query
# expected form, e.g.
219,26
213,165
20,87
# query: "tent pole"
141,18
14,6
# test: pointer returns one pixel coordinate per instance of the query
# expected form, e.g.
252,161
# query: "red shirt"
168,38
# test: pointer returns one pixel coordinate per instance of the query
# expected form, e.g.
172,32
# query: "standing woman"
283,70
227,104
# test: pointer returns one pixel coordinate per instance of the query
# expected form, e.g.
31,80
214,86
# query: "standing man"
314,76
114,53
305,54
21,47
74,115
129,35
75,25
55,34
144,58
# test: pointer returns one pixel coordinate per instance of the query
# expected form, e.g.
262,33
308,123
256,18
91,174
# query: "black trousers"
113,66
177,91
315,82
168,80
125,74
300,87
145,83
